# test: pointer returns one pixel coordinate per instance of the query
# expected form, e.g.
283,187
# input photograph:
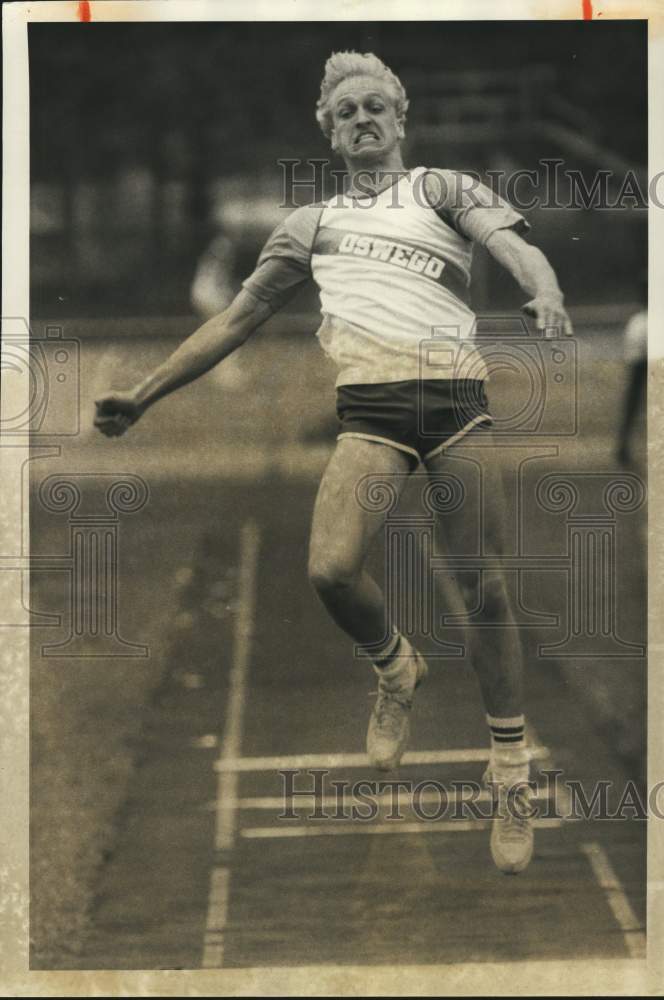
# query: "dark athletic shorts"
420,418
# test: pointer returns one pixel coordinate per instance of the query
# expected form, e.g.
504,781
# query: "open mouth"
366,135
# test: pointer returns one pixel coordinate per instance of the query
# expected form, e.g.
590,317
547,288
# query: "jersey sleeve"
470,207
284,264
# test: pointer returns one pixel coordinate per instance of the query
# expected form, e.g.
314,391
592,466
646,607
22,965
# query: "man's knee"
331,575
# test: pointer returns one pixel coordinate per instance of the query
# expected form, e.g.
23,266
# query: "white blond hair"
342,65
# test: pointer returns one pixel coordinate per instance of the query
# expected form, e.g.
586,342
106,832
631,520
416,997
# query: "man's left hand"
550,315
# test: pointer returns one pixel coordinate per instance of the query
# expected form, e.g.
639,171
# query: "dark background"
145,137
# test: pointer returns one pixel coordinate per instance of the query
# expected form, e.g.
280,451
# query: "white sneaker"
512,833
389,725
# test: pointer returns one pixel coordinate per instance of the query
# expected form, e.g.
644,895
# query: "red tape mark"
587,10
84,11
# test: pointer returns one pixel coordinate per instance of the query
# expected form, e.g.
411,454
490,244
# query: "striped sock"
387,656
507,733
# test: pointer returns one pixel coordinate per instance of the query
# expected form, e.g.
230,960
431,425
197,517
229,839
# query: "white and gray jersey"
393,274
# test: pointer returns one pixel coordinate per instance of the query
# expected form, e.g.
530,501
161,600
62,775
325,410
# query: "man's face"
365,124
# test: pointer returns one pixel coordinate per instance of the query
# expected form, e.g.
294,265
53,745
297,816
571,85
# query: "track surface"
201,876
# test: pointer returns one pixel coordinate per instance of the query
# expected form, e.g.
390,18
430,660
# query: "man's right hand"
116,412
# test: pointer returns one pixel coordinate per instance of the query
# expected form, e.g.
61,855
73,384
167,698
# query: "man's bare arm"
531,269
205,348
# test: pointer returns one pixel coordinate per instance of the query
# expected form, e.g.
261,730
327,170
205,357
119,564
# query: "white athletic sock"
399,661
507,733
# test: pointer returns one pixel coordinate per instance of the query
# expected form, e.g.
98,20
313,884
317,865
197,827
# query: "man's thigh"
480,522
360,485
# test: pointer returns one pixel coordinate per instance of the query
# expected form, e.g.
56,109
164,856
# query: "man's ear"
333,140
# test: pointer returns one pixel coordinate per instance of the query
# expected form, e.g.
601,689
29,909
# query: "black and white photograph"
326,378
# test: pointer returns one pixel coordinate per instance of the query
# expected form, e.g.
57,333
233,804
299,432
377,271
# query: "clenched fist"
116,412
550,315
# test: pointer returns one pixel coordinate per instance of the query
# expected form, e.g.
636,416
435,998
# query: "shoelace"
517,816
387,703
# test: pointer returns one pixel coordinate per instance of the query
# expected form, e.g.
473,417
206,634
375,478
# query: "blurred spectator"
636,357
212,289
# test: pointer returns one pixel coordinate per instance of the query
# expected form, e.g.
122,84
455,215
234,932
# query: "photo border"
593,977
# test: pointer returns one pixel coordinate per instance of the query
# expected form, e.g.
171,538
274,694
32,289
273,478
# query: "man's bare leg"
497,658
342,532
496,653
343,529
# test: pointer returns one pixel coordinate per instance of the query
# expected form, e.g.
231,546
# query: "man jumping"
391,257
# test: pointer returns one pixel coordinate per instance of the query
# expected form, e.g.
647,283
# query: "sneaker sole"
511,867
504,866
393,763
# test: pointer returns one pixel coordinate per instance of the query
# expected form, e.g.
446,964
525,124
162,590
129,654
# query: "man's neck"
372,178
